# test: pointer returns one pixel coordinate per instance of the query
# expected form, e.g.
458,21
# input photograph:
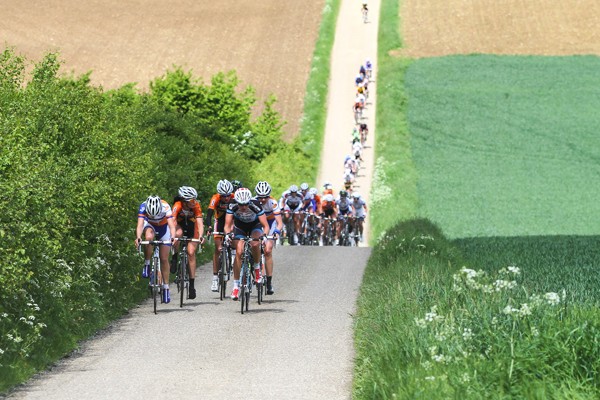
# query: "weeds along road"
296,345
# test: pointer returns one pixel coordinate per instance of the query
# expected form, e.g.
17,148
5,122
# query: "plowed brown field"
268,42
541,27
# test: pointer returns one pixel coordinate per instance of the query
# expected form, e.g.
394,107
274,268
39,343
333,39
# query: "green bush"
75,163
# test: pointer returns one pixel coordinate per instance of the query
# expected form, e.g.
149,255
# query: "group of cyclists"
303,207
233,213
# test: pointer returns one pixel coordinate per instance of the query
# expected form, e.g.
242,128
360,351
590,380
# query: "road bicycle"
312,230
263,287
357,109
247,280
182,274
344,231
225,263
155,282
329,231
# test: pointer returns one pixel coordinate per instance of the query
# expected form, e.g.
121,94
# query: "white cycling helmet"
328,197
242,196
313,191
356,195
153,206
263,189
187,193
304,186
293,189
224,187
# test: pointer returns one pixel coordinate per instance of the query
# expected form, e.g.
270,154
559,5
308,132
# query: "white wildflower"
534,331
438,358
31,317
426,365
509,310
524,310
4,315
465,378
18,339
1,351
420,322
514,270
430,378
467,334
552,298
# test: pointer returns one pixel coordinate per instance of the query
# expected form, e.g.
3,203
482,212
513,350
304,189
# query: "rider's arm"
172,227
209,215
139,229
263,221
228,223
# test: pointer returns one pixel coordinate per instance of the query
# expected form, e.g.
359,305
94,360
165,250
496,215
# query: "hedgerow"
75,163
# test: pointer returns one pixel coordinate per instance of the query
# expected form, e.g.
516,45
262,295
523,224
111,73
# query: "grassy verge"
395,177
427,328
297,162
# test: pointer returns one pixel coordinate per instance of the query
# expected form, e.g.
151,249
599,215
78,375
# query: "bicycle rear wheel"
154,283
223,274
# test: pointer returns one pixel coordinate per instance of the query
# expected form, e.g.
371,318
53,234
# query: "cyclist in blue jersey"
155,218
244,218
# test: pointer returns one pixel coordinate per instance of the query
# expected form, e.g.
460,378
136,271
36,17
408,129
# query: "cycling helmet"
356,195
347,158
343,193
313,191
360,89
328,197
242,196
188,193
263,189
304,186
224,187
236,185
293,189
153,206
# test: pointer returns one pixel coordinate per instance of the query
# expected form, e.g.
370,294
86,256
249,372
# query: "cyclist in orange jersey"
187,213
218,207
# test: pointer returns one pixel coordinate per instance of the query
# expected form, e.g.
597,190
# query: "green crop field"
506,146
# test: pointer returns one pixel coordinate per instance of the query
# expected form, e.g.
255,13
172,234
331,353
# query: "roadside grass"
429,328
394,186
297,161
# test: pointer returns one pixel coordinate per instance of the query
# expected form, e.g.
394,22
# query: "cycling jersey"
359,207
219,205
293,201
181,213
248,215
343,204
246,220
161,219
270,208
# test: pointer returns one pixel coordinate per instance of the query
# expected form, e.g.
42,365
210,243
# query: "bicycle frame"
225,265
182,279
155,282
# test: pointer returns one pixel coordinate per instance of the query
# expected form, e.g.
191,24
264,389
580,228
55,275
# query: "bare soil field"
268,42
536,27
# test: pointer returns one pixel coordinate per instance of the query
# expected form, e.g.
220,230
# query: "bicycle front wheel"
222,274
154,283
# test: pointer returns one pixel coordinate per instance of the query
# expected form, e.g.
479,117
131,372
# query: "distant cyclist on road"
360,211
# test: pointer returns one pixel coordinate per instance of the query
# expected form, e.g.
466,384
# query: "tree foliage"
75,163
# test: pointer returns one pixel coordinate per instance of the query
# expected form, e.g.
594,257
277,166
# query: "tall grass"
394,177
429,328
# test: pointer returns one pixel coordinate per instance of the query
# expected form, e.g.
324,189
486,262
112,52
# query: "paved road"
296,345
355,41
